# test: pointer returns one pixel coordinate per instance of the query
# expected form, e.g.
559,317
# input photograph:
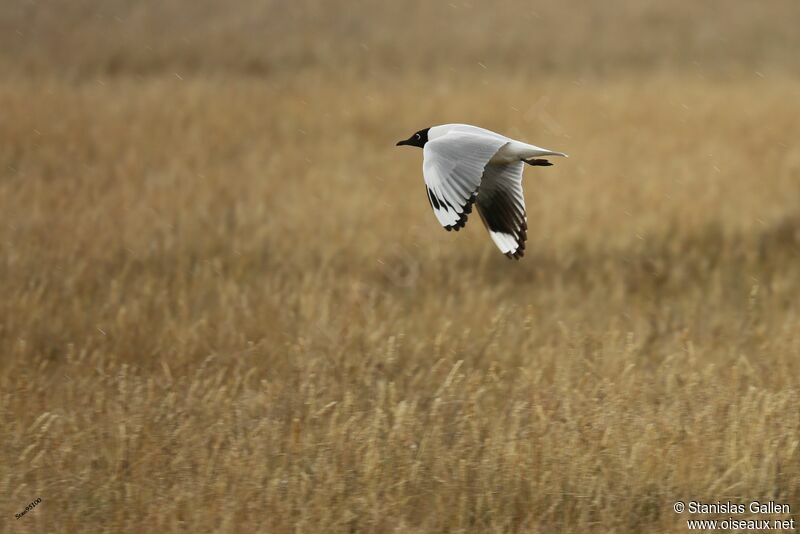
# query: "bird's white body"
465,164
511,151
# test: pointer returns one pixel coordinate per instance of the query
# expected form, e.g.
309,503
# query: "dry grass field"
225,304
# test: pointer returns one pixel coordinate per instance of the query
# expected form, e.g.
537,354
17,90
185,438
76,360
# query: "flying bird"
465,165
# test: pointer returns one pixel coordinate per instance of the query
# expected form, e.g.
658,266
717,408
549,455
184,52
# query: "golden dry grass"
226,306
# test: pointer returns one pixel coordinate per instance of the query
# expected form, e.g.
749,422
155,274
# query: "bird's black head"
418,139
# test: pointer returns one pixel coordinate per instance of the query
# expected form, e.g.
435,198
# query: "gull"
465,165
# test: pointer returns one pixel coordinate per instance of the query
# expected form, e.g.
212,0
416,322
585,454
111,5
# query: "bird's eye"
417,136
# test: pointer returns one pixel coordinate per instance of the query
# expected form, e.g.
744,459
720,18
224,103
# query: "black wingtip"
462,220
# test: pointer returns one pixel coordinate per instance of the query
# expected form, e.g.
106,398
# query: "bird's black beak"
403,142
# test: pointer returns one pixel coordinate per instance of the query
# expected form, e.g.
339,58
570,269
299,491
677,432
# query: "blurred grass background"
81,38
226,306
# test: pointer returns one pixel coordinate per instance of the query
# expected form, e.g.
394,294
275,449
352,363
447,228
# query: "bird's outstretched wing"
453,166
501,206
